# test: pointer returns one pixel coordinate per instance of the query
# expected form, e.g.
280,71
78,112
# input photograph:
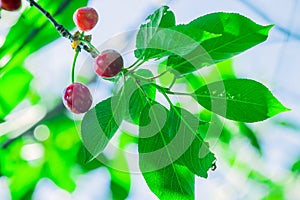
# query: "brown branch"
62,30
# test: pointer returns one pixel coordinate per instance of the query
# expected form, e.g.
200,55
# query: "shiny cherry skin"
10,5
77,98
85,18
108,63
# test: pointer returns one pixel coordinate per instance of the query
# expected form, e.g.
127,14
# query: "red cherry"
10,5
77,98
85,18
108,63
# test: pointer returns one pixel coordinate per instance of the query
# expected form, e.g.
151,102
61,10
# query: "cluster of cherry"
77,97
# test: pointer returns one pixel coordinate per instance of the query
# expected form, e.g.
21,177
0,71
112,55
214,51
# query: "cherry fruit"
10,5
85,18
77,98
108,63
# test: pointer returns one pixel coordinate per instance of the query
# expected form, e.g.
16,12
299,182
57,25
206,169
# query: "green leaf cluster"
207,40
171,140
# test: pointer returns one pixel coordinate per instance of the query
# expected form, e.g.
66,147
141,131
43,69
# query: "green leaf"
101,123
172,182
235,32
157,158
22,176
251,135
240,100
238,34
197,158
14,85
139,94
215,129
168,77
296,167
84,155
161,18
275,193
58,169
120,176
57,161
159,40
182,65
223,70
169,146
275,189
61,150
226,69
171,41
206,40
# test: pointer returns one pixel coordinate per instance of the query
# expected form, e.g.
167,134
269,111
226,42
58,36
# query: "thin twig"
62,30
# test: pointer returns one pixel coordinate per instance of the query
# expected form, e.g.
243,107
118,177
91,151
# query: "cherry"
85,18
77,98
10,5
108,63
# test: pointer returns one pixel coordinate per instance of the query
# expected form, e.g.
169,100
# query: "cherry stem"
91,46
168,91
157,76
160,88
179,93
150,79
172,83
167,98
75,59
61,29
73,65
134,75
135,63
142,89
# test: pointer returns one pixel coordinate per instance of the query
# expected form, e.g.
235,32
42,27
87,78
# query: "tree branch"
62,30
